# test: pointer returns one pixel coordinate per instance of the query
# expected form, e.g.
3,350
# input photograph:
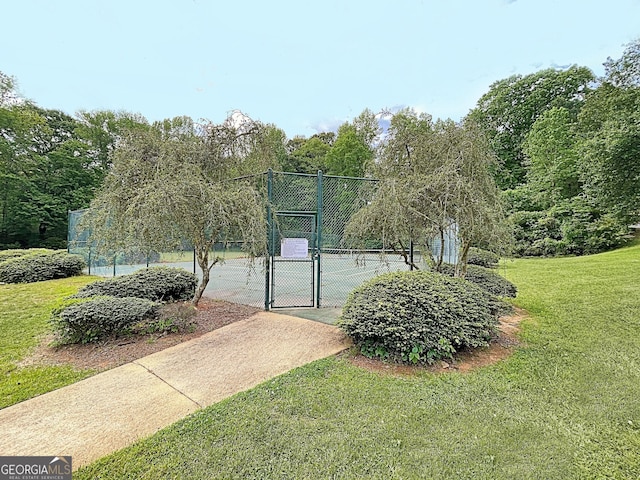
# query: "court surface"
293,282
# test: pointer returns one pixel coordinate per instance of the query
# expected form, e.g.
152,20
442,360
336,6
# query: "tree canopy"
177,181
435,177
508,110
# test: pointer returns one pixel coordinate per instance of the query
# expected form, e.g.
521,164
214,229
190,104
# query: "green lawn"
24,311
565,406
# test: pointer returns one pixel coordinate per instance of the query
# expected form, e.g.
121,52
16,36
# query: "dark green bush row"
482,258
128,305
100,317
156,283
571,228
418,317
21,252
37,267
485,278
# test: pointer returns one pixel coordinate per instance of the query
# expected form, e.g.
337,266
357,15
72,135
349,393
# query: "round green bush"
418,317
39,266
96,318
482,258
155,283
485,278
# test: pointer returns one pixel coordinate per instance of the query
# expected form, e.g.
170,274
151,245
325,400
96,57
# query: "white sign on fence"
294,247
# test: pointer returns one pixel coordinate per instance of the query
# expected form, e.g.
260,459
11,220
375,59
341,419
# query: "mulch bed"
211,315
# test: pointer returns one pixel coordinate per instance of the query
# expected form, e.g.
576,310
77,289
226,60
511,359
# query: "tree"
101,129
509,109
308,155
434,177
610,127
551,147
349,155
352,152
610,166
175,182
625,71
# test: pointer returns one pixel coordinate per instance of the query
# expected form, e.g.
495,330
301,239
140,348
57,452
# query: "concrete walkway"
113,409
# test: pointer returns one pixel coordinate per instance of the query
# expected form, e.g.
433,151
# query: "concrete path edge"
113,409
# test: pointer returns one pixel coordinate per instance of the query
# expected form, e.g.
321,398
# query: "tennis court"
293,283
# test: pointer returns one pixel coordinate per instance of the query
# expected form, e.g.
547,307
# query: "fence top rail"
314,175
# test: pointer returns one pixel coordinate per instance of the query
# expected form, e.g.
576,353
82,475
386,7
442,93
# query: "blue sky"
304,66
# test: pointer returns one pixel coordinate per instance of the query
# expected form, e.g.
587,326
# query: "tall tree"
174,182
625,71
610,127
509,109
349,155
551,147
353,151
308,155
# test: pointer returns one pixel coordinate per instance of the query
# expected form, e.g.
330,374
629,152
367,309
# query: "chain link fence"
309,261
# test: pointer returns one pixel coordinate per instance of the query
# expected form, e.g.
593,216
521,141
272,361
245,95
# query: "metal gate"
294,260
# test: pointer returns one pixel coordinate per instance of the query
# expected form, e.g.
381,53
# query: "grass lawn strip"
24,312
564,406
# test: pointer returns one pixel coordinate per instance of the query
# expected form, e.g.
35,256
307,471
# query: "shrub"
485,278
85,321
482,258
418,317
21,252
172,318
37,267
156,283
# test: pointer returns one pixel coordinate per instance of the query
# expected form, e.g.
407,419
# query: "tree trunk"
441,253
203,262
461,267
202,255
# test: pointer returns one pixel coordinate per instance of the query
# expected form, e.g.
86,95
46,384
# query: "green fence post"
68,231
319,207
267,274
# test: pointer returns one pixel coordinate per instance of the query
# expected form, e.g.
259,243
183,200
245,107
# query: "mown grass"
566,405
24,311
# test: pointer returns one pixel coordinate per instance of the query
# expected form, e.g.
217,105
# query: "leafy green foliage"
434,177
610,123
483,258
307,155
418,317
96,318
37,267
486,279
172,318
174,183
625,71
553,167
573,227
20,252
349,155
512,105
156,283
50,163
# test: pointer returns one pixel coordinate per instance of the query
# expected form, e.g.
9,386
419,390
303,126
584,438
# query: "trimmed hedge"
97,318
418,317
485,278
39,266
155,283
482,258
21,252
